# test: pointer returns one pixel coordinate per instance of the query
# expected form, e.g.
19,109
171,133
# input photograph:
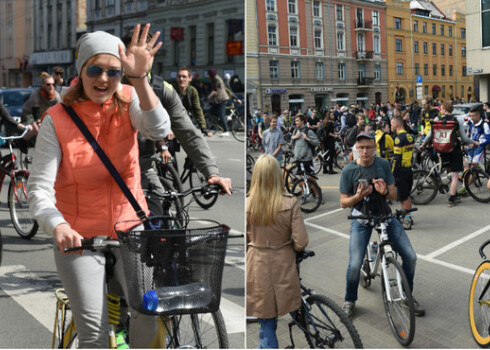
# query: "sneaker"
450,203
462,191
224,134
418,310
407,223
349,308
457,199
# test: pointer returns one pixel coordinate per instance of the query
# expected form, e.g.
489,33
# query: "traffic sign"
419,78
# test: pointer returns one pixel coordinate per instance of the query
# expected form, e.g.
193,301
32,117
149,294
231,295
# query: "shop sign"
275,91
321,89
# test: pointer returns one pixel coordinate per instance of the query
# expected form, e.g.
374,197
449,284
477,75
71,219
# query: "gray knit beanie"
91,44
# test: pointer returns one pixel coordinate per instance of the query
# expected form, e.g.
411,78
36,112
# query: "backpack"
444,134
382,146
350,120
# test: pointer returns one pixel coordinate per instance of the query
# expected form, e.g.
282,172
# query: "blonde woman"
275,231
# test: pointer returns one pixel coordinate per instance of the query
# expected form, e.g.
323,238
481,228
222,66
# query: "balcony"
363,55
363,25
364,82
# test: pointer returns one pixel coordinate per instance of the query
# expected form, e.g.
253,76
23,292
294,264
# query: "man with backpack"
445,134
303,142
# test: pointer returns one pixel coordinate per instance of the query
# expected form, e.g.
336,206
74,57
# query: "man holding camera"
365,186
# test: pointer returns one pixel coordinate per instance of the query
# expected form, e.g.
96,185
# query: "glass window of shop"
321,102
362,99
276,102
296,103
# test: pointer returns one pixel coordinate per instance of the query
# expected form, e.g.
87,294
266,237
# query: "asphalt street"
28,276
446,241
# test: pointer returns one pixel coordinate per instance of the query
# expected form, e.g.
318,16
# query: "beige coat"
273,287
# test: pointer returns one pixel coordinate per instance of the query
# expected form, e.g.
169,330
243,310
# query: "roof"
428,6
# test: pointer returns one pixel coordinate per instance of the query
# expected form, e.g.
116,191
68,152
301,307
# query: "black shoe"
349,308
332,172
417,309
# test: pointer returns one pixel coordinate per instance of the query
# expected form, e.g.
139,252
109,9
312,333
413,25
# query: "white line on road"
236,160
324,214
234,316
343,235
458,242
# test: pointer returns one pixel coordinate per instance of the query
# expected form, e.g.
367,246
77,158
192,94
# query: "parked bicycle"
307,191
24,224
341,157
475,180
321,320
479,301
397,297
174,273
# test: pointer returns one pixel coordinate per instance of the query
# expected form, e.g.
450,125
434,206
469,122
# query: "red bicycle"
21,218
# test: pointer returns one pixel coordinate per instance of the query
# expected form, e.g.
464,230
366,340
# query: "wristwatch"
163,148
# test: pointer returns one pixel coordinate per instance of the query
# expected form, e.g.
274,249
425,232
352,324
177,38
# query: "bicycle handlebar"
399,213
483,256
303,255
94,243
7,138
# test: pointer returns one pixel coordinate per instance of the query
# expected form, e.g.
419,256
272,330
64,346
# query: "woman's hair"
265,196
76,94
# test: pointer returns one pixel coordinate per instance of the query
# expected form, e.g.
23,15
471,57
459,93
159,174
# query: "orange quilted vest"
86,194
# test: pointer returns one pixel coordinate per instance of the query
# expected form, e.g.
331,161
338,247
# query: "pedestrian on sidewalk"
275,231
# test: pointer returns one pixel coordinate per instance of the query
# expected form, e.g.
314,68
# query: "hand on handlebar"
224,182
65,237
165,156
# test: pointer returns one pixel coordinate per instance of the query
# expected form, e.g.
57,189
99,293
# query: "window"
415,26
320,72
425,47
451,71
442,49
450,50
192,39
462,90
270,5
463,51
210,42
274,69
339,12
433,28
376,46
318,38
463,33
416,46
293,36
398,23
485,24
464,71
398,45
359,18
375,18
434,69
272,35
434,48
424,27
442,30
340,41
450,31
443,70
341,68
377,72
316,9
443,90
360,42
416,69
399,68
450,91
292,6
295,70
426,90
426,69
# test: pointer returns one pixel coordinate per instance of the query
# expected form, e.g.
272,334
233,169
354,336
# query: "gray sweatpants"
83,278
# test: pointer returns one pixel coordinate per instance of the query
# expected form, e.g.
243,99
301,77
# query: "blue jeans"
267,333
220,110
359,239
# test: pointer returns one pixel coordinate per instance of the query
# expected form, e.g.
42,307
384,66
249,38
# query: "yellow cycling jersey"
403,150
428,117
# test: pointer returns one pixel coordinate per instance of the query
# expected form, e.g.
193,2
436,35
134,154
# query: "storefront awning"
340,99
296,100
436,88
361,98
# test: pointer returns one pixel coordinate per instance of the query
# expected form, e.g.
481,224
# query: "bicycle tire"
424,188
333,328
213,122
238,128
169,172
308,195
199,331
479,313
402,323
196,179
250,163
290,177
341,159
365,276
317,163
24,224
478,186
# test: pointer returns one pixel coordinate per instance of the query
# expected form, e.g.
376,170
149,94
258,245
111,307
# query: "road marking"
446,264
330,187
458,242
343,235
236,160
234,316
324,214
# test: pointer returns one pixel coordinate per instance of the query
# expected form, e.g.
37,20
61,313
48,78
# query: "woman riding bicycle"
72,194
275,230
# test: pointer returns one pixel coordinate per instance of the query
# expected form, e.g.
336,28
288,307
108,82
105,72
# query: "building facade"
200,34
478,24
426,52
252,53
320,53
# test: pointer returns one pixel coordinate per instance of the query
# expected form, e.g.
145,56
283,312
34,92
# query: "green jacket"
190,100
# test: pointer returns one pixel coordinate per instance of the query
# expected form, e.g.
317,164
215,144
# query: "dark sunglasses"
96,71
51,84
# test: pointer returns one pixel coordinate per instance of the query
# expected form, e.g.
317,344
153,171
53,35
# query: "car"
463,110
14,99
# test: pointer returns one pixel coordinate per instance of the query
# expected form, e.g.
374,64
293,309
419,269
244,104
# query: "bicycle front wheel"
23,222
250,163
479,305
238,128
475,181
317,163
424,188
201,331
308,194
327,326
397,299
197,179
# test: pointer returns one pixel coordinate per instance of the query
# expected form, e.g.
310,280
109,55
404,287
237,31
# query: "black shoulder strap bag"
108,164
